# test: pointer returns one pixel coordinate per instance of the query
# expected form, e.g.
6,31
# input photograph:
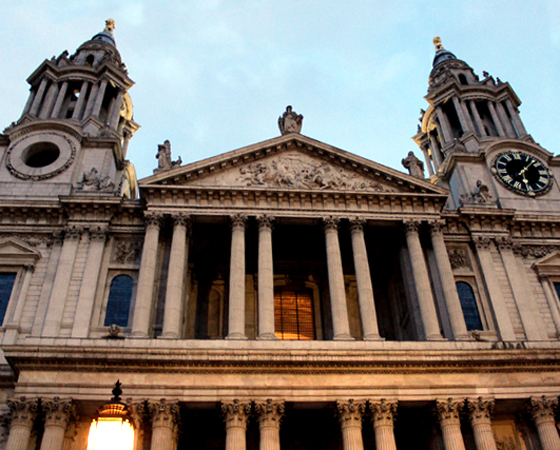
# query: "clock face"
522,173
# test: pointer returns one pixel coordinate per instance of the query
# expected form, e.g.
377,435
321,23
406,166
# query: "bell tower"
73,134
471,133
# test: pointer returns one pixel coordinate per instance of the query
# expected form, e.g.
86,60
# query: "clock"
522,173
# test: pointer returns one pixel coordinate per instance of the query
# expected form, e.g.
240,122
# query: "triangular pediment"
14,252
293,162
549,264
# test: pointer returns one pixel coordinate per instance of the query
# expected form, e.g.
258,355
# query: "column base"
236,336
168,336
267,337
373,337
435,337
343,337
138,335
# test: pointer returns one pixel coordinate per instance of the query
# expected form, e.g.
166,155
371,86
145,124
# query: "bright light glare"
108,433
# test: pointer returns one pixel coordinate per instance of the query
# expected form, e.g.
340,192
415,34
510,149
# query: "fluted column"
22,416
58,412
99,98
38,97
165,424
173,313
57,302
363,280
480,412
542,409
339,307
59,100
552,303
97,238
236,319
269,414
265,279
236,415
448,411
350,415
477,119
146,277
452,302
384,413
422,282
496,119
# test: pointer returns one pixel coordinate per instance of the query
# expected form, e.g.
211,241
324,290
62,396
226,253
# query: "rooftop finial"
437,43
109,25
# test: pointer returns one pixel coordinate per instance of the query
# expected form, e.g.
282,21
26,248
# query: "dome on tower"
107,34
441,53
99,47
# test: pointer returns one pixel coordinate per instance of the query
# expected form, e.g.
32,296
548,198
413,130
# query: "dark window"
118,305
463,79
293,315
557,287
469,307
7,281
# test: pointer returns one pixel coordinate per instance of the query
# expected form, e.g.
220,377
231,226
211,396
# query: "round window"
40,154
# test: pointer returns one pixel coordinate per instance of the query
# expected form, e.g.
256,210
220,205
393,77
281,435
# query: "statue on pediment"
290,122
164,158
414,165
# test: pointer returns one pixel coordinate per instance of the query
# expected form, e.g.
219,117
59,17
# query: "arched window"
469,306
293,315
118,304
463,79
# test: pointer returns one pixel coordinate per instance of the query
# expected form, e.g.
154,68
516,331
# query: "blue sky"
212,76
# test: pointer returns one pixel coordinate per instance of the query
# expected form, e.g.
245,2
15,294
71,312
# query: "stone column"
339,307
70,436
350,415
91,100
57,301
38,97
59,100
542,409
422,282
81,101
146,277
49,100
116,110
501,313
22,415
29,102
428,161
236,319
452,302
515,117
165,424
173,313
445,126
480,412
384,413
97,238
58,412
435,151
12,323
477,119
99,98
448,411
461,114
236,415
552,303
496,119
504,119
363,280
269,414
266,279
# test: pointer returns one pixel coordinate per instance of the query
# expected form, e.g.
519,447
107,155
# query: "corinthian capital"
411,226
181,219
22,411
236,413
357,224
330,223
164,414
153,219
448,409
58,411
350,412
238,220
384,412
480,409
269,413
542,408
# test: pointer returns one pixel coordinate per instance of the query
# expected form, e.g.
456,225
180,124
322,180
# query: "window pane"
118,305
7,281
293,315
469,307
557,287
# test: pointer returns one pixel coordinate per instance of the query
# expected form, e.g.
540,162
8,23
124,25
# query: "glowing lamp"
112,428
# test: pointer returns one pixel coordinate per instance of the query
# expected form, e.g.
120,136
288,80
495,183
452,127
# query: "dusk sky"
213,76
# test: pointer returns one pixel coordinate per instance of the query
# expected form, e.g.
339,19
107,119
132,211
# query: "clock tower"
475,144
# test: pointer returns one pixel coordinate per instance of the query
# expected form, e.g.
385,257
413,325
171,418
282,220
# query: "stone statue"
92,181
414,165
481,193
164,158
109,25
290,122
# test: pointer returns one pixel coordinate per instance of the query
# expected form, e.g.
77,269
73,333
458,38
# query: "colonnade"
236,318
164,417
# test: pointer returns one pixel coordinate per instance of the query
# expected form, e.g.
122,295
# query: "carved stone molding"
542,408
350,412
532,251
480,409
384,411
504,242
164,414
22,411
265,221
357,224
126,251
73,232
448,409
238,220
459,258
181,219
98,233
153,219
269,413
330,223
411,226
236,413
58,412
482,242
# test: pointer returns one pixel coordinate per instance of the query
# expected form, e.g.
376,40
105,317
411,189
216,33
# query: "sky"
214,75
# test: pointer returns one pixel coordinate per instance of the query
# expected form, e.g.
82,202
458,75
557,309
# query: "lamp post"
112,428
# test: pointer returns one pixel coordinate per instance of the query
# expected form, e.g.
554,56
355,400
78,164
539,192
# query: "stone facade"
288,294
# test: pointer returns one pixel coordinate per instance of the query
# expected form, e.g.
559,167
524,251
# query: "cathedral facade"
285,295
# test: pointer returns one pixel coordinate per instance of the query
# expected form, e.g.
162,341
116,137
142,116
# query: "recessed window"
469,306
7,281
40,154
118,304
293,315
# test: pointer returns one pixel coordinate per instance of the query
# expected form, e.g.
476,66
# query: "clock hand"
525,168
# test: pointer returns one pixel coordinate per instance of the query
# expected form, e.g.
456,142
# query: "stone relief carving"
458,258
296,172
414,165
93,181
126,252
480,194
507,443
164,158
290,122
534,251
